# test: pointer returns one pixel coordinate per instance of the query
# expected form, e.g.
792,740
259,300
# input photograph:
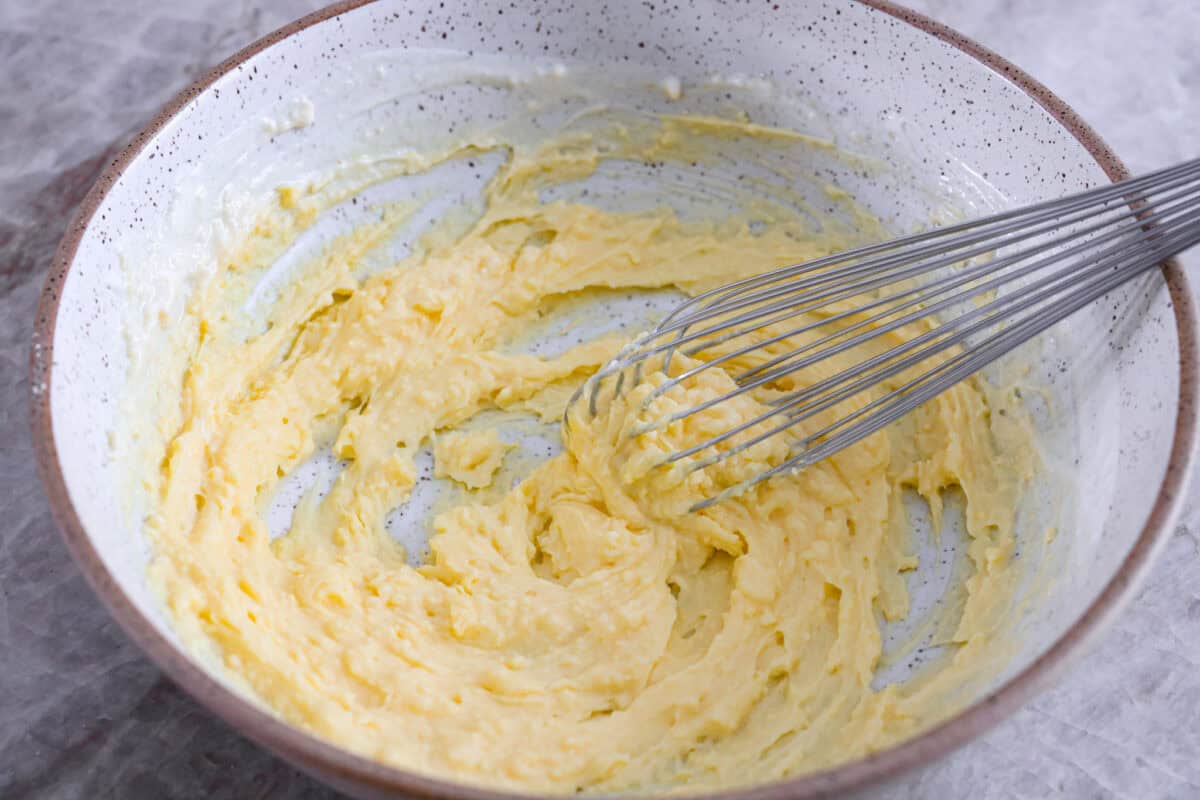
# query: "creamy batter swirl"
576,632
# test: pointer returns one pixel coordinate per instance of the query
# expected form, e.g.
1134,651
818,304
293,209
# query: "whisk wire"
923,311
883,277
900,401
967,324
1016,274
1126,192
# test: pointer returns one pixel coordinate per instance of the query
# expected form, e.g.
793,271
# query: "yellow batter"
581,633
471,458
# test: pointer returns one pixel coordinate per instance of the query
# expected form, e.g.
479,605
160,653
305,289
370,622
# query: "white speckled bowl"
957,127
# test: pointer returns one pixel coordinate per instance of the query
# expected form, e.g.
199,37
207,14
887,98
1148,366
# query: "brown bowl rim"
358,773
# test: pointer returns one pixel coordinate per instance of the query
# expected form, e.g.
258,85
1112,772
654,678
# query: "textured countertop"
84,714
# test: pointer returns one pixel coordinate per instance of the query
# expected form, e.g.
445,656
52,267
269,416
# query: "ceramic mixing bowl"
948,127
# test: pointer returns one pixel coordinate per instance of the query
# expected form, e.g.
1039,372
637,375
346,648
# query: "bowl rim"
359,773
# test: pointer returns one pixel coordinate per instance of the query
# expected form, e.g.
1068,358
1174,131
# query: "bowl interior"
925,134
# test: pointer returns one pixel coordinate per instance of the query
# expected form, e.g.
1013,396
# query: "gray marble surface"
84,714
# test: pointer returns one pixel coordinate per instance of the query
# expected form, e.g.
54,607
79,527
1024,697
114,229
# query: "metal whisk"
973,292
